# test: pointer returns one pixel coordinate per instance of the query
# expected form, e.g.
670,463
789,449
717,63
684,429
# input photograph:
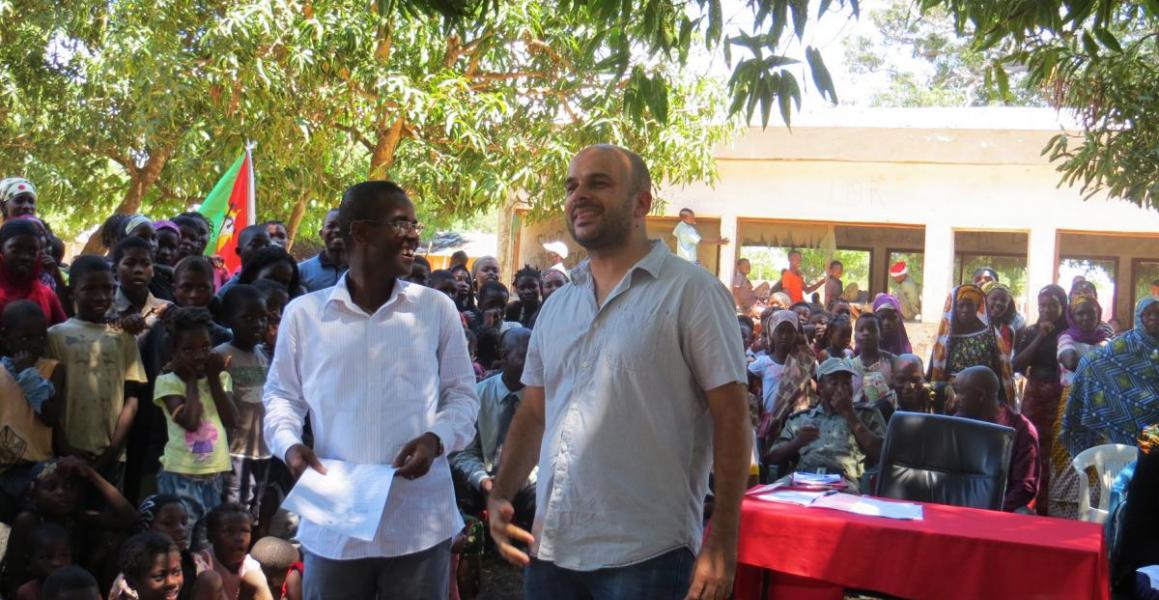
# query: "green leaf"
767,93
1089,44
715,24
788,92
657,99
1003,81
1108,40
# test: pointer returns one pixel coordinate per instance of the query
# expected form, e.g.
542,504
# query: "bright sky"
827,34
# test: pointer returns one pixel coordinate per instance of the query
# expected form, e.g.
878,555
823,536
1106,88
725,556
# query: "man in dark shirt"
324,270
977,391
833,285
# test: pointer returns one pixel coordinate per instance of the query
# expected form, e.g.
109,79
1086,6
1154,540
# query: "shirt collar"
325,262
652,263
340,294
121,302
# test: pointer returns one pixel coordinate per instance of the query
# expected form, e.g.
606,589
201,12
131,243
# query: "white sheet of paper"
349,499
863,505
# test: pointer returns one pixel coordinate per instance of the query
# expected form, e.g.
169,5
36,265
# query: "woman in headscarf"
1002,314
17,198
1082,336
787,375
1116,388
20,269
966,340
894,338
1035,356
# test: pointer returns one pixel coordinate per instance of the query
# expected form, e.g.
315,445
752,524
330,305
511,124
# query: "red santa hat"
898,269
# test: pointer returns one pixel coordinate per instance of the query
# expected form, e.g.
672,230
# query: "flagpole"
252,200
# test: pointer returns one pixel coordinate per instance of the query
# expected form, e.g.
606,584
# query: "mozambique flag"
230,208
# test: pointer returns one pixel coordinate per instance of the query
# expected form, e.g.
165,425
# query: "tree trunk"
505,240
140,181
296,220
383,156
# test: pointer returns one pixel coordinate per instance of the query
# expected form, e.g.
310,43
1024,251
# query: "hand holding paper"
349,499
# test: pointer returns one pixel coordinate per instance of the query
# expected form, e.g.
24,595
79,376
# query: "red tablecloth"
953,553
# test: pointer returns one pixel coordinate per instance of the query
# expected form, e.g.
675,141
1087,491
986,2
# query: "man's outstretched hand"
504,532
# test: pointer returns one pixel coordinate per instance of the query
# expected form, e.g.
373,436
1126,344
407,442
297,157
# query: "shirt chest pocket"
637,340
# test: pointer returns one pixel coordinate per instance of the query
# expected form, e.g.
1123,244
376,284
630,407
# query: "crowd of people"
156,409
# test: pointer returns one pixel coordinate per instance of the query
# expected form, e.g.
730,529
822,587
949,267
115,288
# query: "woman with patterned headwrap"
966,340
1035,356
1002,314
1116,388
17,198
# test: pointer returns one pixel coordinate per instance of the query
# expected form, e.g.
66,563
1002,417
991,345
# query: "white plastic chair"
1107,460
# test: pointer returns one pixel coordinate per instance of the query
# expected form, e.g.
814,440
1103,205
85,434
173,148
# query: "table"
953,553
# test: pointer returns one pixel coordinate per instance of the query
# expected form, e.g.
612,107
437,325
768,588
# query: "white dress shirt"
627,439
372,383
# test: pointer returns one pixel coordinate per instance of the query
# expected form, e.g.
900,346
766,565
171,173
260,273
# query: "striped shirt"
372,383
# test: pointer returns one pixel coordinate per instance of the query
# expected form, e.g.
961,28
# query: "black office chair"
945,460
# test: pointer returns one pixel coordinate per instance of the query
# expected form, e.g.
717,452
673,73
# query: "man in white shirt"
688,239
635,390
381,368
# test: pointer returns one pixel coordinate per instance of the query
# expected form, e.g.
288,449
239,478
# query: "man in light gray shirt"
635,391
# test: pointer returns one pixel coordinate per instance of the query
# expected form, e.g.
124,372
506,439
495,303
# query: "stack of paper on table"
861,505
802,479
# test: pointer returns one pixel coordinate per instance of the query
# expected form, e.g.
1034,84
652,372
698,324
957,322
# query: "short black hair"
185,319
990,270
459,255
68,579
455,268
20,311
222,512
869,316
267,287
113,229
249,231
740,260
528,271
439,276
493,287
836,263
130,243
794,251
747,321
274,553
271,255
140,552
422,260
187,219
47,533
367,201
196,217
195,263
240,295
686,210
15,227
87,265
273,222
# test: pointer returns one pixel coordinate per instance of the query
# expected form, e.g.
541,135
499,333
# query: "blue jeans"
665,576
199,493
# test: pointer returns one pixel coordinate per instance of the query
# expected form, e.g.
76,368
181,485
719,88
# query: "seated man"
909,386
499,396
836,435
977,389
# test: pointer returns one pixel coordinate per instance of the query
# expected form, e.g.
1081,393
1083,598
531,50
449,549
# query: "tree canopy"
131,105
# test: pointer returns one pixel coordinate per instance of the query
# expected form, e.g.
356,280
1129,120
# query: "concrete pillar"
1041,263
938,275
729,251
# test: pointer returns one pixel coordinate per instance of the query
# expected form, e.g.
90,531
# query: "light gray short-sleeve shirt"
627,443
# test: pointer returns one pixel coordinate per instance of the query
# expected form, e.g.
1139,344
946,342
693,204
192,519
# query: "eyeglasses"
399,227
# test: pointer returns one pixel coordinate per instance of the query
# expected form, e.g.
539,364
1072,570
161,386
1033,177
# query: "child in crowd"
273,263
48,550
465,288
282,567
29,405
20,268
150,569
103,372
244,311
420,271
55,497
527,287
166,515
473,352
873,364
134,306
70,583
168,239
195,396
230,528
193,287
835,343
488,321
444,281
276,299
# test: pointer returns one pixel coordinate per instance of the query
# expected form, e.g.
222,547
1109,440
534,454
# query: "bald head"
976,389
638,175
